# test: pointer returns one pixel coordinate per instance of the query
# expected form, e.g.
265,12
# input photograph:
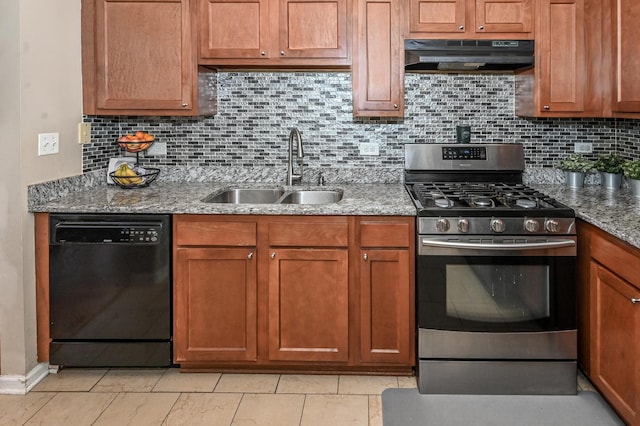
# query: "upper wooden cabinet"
568,79
274,32
138,58
625,15
471,18
378,65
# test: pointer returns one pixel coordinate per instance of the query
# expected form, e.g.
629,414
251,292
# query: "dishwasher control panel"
117,232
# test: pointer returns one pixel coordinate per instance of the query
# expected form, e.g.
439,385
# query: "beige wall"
40,92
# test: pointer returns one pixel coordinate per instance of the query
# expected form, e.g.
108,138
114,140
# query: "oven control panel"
464,153
496,225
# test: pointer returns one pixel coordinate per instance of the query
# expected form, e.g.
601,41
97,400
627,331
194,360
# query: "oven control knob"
551,225
442,225
497,225
531,225
463,225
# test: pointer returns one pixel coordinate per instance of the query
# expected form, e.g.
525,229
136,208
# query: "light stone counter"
617,213
185,197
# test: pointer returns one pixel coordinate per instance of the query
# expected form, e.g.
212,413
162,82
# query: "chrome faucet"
291,177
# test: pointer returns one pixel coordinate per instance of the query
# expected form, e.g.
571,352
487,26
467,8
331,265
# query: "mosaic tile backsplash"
256,110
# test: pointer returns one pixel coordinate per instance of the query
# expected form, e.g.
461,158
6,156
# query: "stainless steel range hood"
468,55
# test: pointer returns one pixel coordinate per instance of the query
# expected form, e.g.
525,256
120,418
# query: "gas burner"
444,203
482,202
525,203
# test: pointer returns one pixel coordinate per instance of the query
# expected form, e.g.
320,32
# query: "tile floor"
76,397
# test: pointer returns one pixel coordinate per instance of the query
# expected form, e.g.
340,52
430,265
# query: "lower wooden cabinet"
386,332
613,324
286,293
215,304
309,305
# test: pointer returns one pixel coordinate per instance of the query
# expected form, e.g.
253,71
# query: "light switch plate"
84,133
157,148
583,147
369,148
48,143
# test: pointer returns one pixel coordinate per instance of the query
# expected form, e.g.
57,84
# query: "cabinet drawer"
612,254
214,233
309,234
385,234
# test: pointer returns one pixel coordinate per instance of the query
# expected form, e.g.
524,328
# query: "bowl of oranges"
136,142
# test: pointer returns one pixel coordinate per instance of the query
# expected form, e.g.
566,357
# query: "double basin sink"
274,196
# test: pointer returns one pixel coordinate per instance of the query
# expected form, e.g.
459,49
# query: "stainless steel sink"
312,197
245,196
273,196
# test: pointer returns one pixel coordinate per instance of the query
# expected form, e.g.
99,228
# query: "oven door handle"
426,242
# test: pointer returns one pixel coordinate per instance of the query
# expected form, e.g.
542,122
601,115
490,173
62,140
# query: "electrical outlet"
84,133
369,148
157,148
48,143
583,147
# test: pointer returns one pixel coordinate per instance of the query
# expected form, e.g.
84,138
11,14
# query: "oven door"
496,284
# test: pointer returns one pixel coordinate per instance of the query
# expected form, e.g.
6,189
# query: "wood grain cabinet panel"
309,305
609,312
234,29
386,326
626,55
215,294
275,32
498,19
378,66
615,350
138,58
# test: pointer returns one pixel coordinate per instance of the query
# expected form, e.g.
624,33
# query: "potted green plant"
610,168
632,173
575,167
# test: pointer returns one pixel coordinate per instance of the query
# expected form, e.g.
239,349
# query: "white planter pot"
610,181
574,179
634,185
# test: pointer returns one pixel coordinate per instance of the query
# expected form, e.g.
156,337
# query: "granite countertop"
181,197
617,213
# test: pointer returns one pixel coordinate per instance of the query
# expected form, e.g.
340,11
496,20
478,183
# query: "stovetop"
484,199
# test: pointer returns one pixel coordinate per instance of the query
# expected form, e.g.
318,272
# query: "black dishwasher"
110,290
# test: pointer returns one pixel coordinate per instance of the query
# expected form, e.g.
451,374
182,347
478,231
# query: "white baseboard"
20,385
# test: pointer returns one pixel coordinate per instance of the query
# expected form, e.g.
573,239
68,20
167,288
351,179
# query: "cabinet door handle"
250,255
366,256
282,53
546,107
263,53
273,255
481,27
635,300
185,105
461,27
395,106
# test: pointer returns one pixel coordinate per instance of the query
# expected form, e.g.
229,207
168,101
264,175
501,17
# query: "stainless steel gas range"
495,274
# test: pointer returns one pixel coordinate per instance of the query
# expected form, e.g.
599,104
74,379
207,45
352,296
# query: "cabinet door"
386,326
308,305
560,56
314,28
238,29
215,305
626,55
504,16
378,65
615,342
143,56
437,16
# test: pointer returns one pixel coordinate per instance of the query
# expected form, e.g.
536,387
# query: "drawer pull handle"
366,256
635,300
250,255
273,255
